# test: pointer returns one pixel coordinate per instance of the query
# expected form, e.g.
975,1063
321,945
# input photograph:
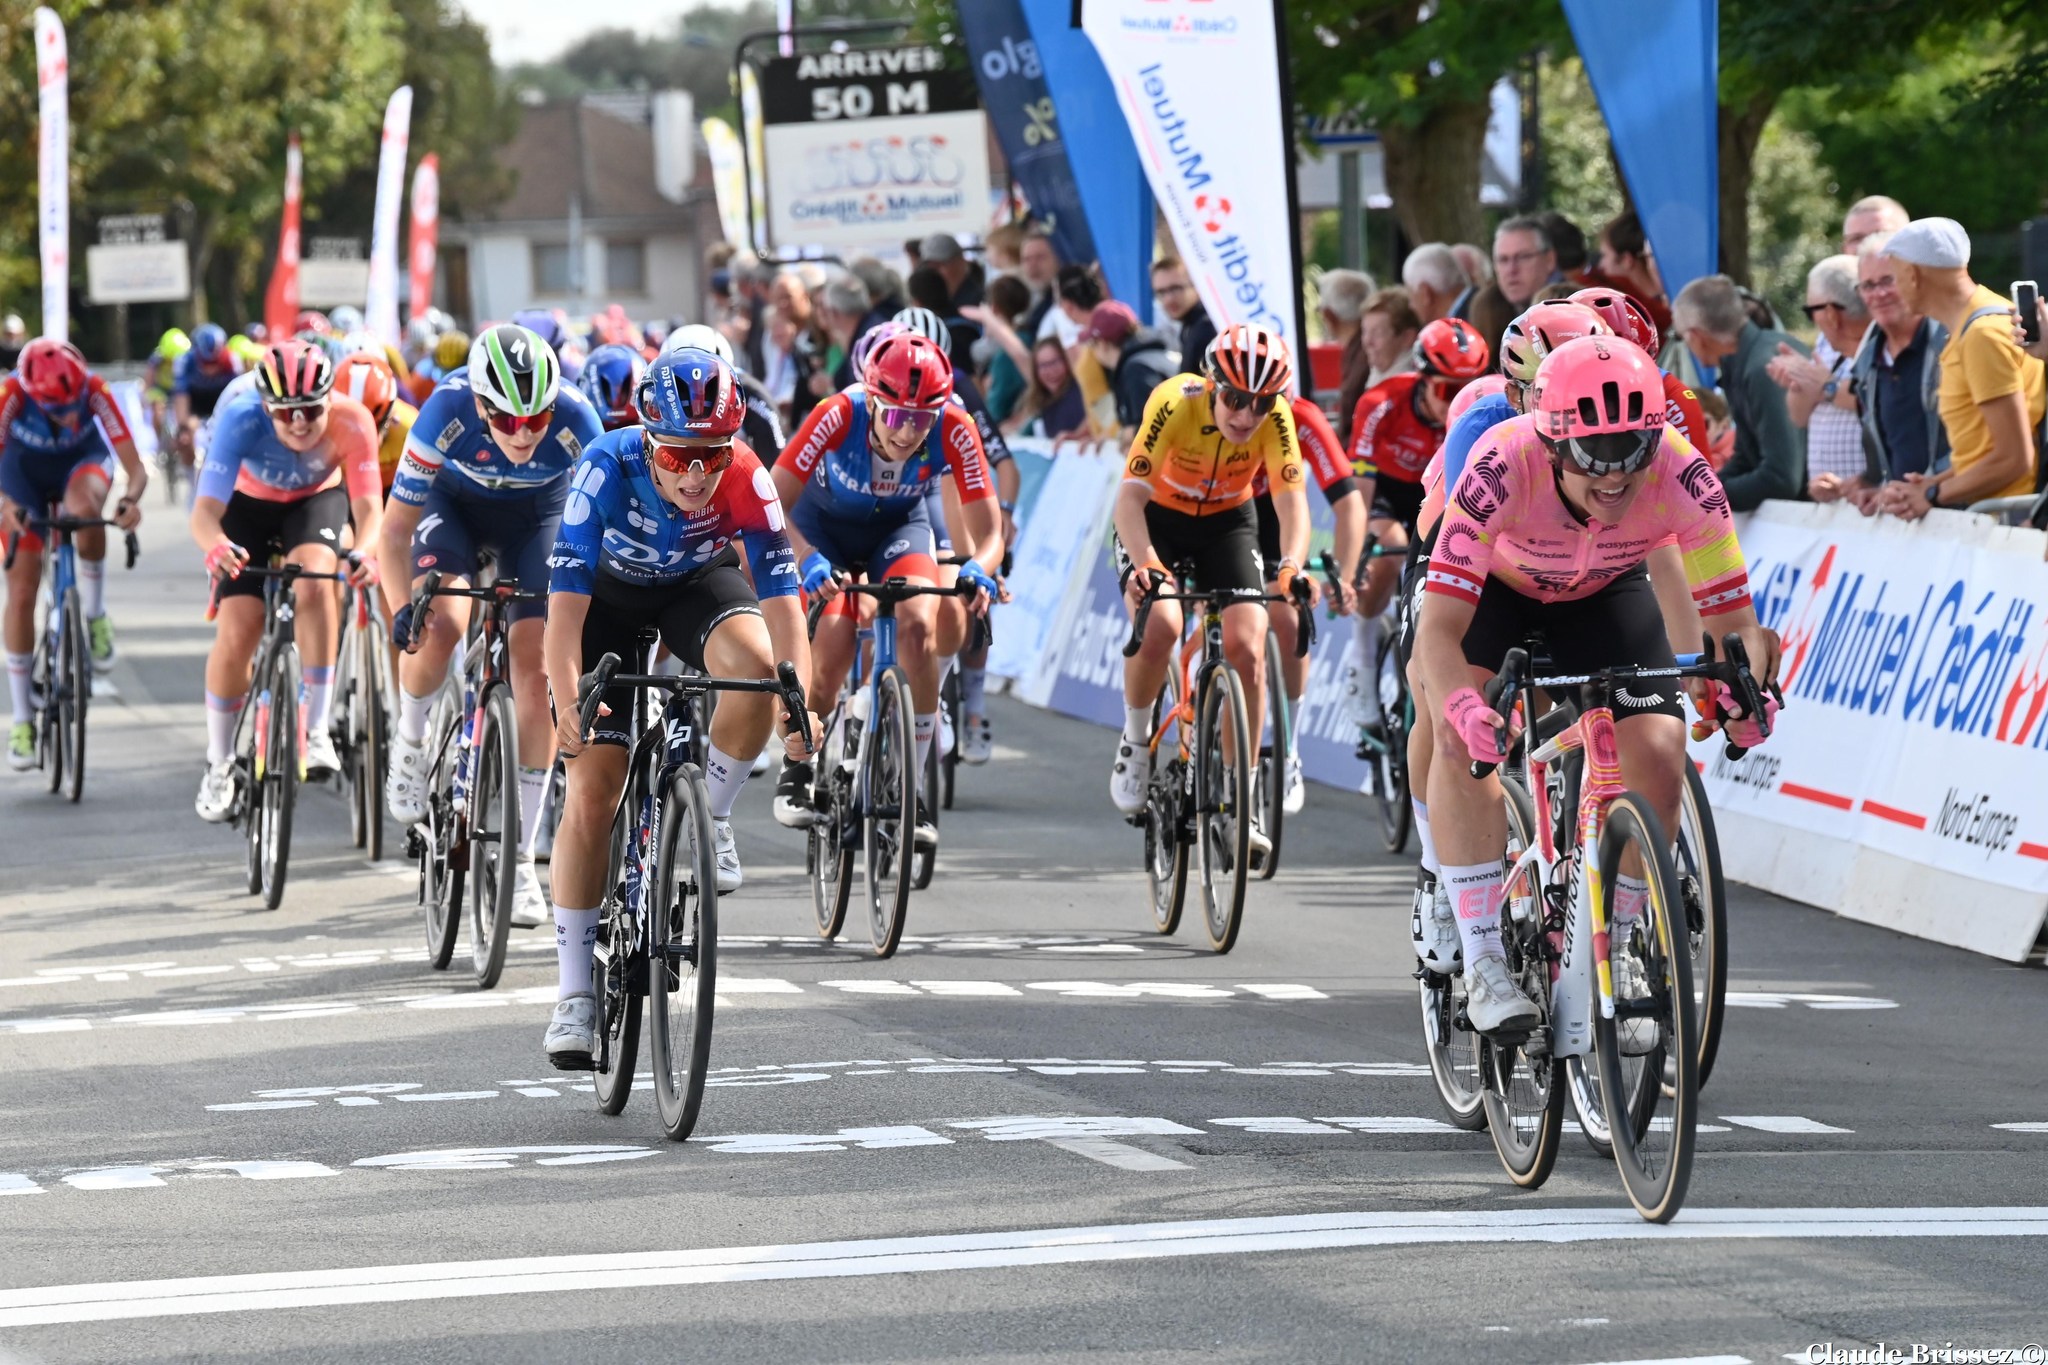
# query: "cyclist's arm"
1347,541
1478,510
821,430
1713,560
562,649
1674,598
216,484
354,433
972,491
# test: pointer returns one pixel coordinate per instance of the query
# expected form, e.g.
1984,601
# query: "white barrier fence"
1903,786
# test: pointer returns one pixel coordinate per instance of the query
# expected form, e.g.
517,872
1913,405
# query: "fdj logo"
1011,59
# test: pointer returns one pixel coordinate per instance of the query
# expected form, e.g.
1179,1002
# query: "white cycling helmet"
926,324
699,337
514,371
361,340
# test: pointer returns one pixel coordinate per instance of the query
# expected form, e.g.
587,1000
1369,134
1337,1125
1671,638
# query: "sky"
535,30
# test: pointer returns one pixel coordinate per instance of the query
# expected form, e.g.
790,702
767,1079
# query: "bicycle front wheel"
1525,1095
1166,829
1648,1054
443,854
1270,798
682,971
924,859
280,774
956,725
1390,781
74,691
1705,894
1223,761
889,801
493,835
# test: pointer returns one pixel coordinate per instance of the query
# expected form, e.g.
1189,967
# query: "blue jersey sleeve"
236,431
764,533
1482,417
579,540
444,419
181,375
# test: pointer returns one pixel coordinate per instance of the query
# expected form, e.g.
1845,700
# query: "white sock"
1631,894
92,586
1475,899
724,775
1429,863
533,790
316,690
412,715
221,715
974,691
1294,707
1138,724
1368,659
575,945
927,726
18,666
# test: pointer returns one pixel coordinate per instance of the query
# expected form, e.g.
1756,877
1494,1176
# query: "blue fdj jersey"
617,523
449,436
1472,425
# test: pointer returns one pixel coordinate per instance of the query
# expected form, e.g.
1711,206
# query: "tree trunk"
1741,126
1432,172
201,248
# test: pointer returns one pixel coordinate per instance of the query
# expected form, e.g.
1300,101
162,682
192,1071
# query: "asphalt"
1041,1131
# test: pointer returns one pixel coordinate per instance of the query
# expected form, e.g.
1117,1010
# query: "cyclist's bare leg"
739,648
1145,672
23,581
917,632
1383,572
831,657
319,614
1465,813
1652,758
1421,735
86,496
530,693
236,629
593,780
1244,645
1293,671
952,615
447,618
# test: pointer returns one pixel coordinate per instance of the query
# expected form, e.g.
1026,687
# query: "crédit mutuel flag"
53,172
281,301
1219,167
380,310
426,227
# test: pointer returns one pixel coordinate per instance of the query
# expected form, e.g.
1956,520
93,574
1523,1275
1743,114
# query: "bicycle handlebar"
1155,592
69,526
590,690
432,585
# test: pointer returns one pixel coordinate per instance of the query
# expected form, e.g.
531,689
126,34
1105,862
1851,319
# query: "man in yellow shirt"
1992,393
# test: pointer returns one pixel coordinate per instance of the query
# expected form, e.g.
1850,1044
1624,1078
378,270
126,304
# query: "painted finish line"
582,1274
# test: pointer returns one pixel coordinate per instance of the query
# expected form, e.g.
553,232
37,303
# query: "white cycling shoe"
322,762
1492,999
529,903
405,786
216,799
978,744
1296,795
1127,779
730,877
1434,930
572,1033
1637,1035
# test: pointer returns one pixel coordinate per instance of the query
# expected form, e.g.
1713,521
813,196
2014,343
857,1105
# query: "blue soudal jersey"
451,437
1465,433
618,525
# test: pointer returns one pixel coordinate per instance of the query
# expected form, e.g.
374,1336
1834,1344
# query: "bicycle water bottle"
857,709
465,753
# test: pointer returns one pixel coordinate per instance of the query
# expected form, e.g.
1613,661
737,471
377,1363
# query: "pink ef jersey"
1507,519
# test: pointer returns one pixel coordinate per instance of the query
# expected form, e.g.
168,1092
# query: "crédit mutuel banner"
1199,81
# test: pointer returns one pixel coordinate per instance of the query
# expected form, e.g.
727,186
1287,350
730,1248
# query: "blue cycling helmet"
208,340
610,376
543,323
690,397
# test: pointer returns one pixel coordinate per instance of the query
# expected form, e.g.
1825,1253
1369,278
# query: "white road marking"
1686,1360
14,1183
498,1158
583,1274
116,1178
1782,1123
1284,992
1777,1000
1043,1128
897,1135
2022,1127
267,1170
1119,1154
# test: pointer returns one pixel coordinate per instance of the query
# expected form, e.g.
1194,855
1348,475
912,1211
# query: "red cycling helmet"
312,320
1599,405
908,371
1622,313
1542,329
1451,347
295,373
367,378
1251,359
52,372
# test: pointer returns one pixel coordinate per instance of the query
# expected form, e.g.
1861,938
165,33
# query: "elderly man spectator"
1896,372
845,307
1192,329
1992,393
964,283
1523,262
1819,393
1341,297
1770,455
1626,263
1435,282
1387,334
1868,216
1038,260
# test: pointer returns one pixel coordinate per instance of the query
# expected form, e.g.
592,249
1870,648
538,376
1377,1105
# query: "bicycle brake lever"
134,547
793,698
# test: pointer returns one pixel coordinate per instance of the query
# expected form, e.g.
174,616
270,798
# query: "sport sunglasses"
683,459
1237,400
902,419
511,424
289,410
1607,452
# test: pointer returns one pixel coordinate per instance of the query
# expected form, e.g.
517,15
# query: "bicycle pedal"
572,1061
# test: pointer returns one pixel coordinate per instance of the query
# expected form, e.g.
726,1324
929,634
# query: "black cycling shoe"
793,796
927,834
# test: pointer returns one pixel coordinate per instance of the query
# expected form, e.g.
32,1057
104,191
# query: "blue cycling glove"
816,571
401,627
972,574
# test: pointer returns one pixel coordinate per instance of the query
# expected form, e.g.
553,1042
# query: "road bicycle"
1619,992
60,672
269,742
1386,750
1269,782
364,686
941,770
1200,795
866,777
658,925
468,837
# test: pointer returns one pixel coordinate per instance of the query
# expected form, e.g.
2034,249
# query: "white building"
611,205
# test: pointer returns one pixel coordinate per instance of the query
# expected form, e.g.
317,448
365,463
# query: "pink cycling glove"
225,560
1475,722
1747,732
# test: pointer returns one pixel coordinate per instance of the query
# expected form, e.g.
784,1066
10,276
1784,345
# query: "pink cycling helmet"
1599,405
1622,313
1483,387
1542,329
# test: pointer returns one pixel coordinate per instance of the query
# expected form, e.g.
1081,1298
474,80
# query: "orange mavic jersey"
391,446
1189,466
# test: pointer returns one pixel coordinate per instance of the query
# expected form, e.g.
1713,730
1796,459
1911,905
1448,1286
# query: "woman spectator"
1009,299
1052,406
1387,331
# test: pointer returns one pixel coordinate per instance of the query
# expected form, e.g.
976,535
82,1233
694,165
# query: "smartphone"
2026,302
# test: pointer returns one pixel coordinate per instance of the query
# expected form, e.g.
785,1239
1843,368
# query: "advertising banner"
1218,165
872,146
1026,119
426,229
381,309
728,179
757,154
1058,527
281,303
1903,783
137,272
53,172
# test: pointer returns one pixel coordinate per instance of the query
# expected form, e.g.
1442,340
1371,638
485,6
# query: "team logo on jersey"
426,561
1290,473
569,442
449,434
426,527
1191,386
1141,467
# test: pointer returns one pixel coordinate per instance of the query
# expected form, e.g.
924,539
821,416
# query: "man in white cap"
1992,393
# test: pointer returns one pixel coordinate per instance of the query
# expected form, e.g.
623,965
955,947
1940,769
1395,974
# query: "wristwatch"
1829,390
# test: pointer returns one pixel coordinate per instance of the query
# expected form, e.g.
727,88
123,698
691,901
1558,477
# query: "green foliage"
1382,59
1795,215
1579,180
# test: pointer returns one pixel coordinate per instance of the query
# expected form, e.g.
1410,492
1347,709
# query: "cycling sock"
1138,724
316,690
533,790
1475,898
974,691
1294,706
575,942
92,586
724,775
221,715
1631,894
412,716
18,666
927,726
1429,863
1368,662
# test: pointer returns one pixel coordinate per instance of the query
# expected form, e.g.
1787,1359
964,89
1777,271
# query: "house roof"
572,146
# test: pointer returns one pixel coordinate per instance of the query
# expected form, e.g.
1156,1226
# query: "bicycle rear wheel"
889,799
348,713
74,691
1524,1087
280,773
1166,830
1705,894
49,718
442,851
493,834
1223,762
1390,780
1269,785
1648,1054
682,974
